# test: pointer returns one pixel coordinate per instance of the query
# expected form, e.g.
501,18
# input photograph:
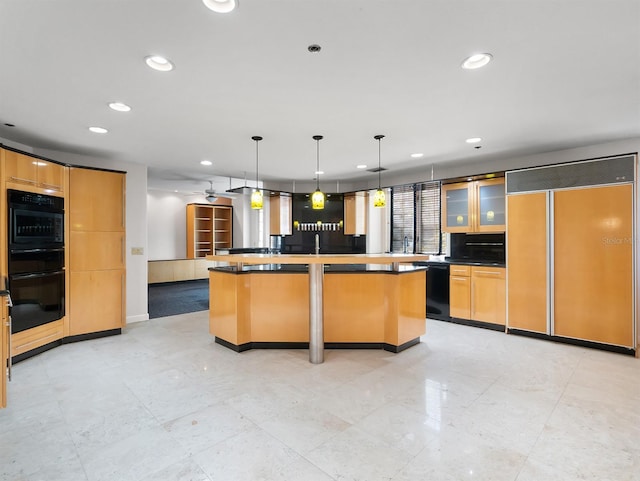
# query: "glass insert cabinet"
475,206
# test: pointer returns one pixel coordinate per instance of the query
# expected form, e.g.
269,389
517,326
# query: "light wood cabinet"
477,206
33,173
460,292
96,200
528,300
570,261
280,214
209,227
97,251
593,289
478,293
98,301
488,294
355,213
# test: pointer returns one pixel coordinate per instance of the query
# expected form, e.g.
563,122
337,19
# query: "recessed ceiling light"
220,6
119,106
157,62
98,130
319,172
417,155
476,61
361,166
206,162
473,140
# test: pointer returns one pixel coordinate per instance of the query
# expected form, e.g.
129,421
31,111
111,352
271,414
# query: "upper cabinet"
90,212
33,173
280,214
477,206
355,213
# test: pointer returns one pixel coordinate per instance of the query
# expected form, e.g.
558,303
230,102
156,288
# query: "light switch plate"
137,251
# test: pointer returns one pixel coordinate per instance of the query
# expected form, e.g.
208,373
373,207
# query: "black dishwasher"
438,291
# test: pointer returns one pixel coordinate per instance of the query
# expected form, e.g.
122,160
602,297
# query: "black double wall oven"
36,259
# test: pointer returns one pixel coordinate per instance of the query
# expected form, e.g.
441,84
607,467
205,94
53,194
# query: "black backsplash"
331,242
478,247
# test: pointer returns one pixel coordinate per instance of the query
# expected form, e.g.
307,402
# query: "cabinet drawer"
464,271
488,272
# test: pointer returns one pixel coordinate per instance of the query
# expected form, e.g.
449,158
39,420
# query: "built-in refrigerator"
570,252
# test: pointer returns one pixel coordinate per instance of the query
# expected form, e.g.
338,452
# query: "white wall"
167,223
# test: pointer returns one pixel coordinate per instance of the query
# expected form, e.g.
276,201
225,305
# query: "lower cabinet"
478,293
99,300
460,292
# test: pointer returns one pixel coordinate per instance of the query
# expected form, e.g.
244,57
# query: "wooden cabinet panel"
34,172
459,296
51,176
98,301
488,302
357,310
477,206
355,213
527,235
477,293
280,214
19,168
96,200
96,251
593,277
35,337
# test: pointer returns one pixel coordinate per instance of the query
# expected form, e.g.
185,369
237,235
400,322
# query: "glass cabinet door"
491,206
456,206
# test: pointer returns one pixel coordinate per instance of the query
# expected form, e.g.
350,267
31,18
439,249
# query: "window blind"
415,216
402,218
428,218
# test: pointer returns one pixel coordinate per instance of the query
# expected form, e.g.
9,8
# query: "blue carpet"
171,298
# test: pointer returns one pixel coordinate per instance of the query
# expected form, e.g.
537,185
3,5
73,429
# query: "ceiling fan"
212,194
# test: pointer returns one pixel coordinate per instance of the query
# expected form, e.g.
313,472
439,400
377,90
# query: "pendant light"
317,198
379,198
256,196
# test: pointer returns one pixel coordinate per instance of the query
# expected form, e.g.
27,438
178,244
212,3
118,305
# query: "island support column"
316,322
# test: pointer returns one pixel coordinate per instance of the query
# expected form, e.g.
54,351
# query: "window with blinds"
415,219
428,218
402,218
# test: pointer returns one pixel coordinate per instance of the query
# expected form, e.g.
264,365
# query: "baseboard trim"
327,345
574,342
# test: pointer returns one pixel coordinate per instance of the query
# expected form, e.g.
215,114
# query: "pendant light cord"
317,164
257,138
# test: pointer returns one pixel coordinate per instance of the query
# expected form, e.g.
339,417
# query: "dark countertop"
328,268
4,293
463,262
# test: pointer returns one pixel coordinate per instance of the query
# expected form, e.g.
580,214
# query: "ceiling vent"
377,169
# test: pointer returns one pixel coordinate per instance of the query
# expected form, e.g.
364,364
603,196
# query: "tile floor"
163,402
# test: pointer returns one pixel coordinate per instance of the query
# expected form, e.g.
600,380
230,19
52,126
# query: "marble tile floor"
163,402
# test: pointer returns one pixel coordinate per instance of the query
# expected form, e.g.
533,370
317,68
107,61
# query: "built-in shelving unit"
209,227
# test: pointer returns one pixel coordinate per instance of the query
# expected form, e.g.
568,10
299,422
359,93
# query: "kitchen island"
317,301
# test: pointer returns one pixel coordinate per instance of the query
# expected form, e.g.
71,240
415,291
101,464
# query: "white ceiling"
565,73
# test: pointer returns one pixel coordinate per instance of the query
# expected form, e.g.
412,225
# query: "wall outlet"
137,251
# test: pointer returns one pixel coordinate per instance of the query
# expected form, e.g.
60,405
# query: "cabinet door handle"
28,181
491,273
465,279
51,186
